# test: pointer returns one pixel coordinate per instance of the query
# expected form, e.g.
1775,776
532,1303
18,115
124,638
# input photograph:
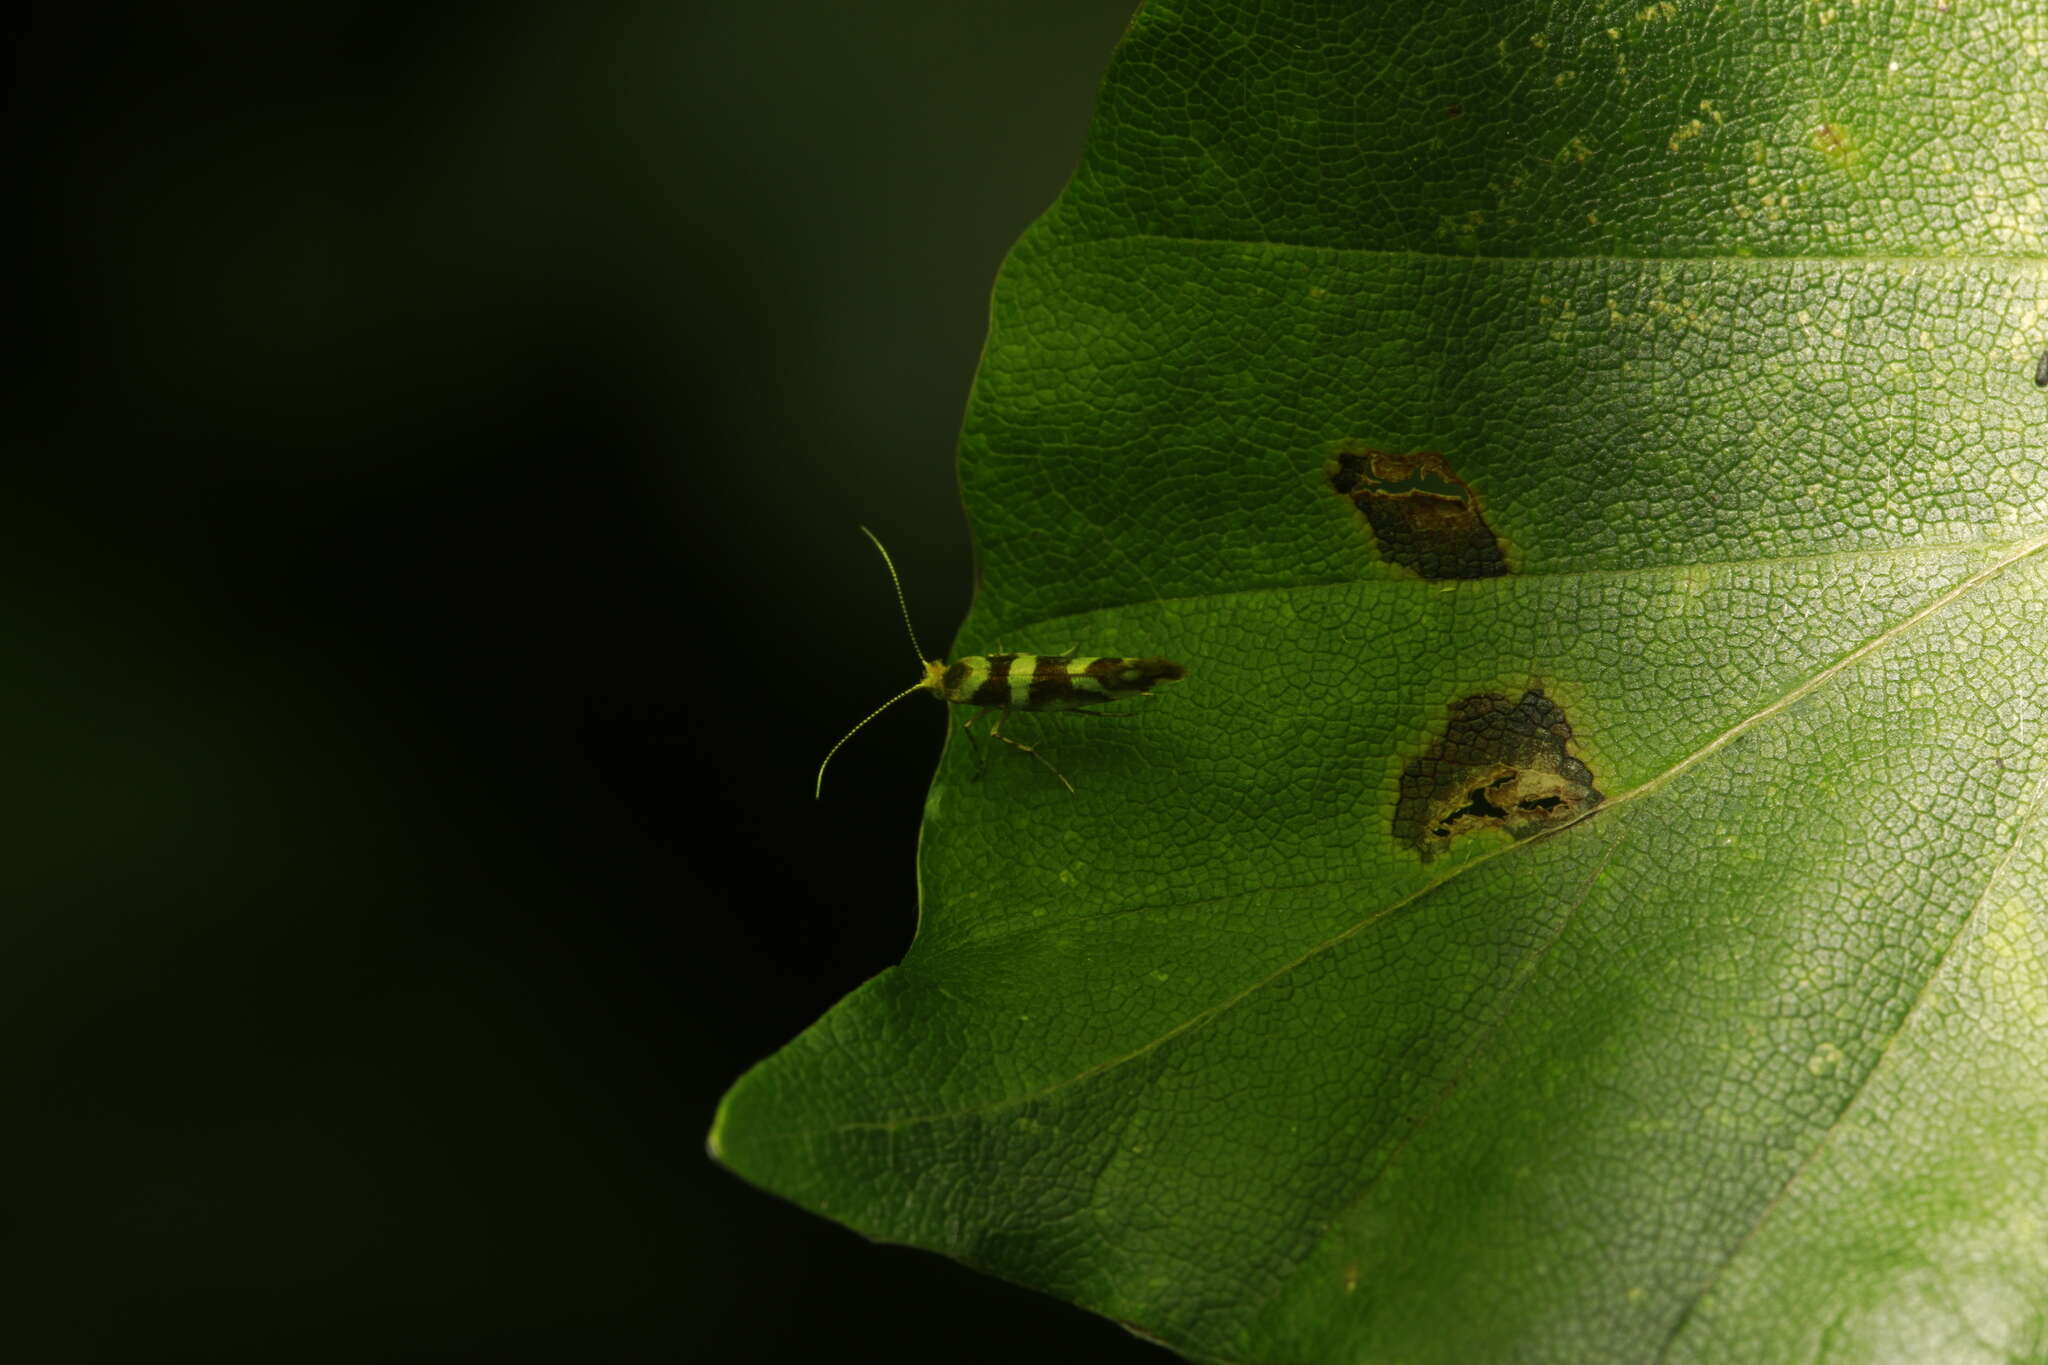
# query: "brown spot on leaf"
1499,765
1424,517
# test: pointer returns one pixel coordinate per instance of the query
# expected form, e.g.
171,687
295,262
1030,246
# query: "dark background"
428,581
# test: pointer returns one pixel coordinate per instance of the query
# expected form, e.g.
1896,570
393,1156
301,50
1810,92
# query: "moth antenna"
901,604
818,792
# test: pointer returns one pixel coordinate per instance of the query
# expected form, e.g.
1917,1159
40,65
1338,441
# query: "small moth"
1017,682
2041,370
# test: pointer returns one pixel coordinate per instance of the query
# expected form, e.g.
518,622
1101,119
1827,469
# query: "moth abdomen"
1051,682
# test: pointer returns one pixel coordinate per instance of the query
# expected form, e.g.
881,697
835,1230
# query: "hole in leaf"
1499,764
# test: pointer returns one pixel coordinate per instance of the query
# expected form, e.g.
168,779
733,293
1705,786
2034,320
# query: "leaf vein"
2035,808
2030,261
1224,1006
1881,553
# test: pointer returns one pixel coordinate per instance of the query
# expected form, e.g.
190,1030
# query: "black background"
437,437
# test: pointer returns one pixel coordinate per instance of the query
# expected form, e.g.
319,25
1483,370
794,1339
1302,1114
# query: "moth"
1003,683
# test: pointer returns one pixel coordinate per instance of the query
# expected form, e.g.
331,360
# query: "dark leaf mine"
1424,517
1499,765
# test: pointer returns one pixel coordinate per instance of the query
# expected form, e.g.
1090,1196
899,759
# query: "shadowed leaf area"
1709,335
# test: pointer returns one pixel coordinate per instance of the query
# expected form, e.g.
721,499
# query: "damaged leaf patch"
1499,765
1424,517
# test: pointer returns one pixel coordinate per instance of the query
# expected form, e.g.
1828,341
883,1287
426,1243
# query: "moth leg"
997,732
974,745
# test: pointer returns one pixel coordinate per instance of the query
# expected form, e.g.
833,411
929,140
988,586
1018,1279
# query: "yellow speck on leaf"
1838,143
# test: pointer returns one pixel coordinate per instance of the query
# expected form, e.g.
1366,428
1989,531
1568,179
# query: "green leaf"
1722,321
